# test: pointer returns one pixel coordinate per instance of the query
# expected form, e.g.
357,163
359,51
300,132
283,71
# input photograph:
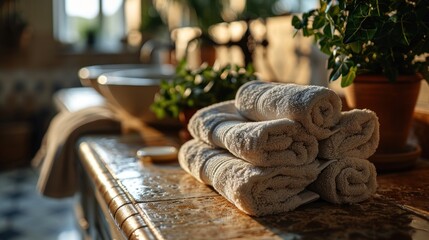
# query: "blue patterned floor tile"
6,185
64,235
11,213
69,235
4,223
9,234
19,177
26,215
5,205
59,210
15,195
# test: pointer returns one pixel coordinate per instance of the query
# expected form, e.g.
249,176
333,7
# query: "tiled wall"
26,92
26,109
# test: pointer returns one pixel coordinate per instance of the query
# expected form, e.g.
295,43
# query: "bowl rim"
94,71
119,81
136,76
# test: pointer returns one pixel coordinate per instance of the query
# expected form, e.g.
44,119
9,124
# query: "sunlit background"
114,21
44,43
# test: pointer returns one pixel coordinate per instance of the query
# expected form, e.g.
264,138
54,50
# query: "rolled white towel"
356,135
348,180
280,142
316,108
255,190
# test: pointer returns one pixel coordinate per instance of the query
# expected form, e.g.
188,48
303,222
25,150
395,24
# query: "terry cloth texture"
356,135
280,142
317,108
348,180
255,190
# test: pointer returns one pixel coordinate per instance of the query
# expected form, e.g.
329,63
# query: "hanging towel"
57,155
316,108
280,142
356,135
255,190
348,180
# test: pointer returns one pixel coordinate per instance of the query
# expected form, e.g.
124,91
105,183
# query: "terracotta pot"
393,103
208,54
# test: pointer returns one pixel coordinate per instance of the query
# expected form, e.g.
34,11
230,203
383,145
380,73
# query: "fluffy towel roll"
281,142
255,190
316,108
348,180
57,155
356,135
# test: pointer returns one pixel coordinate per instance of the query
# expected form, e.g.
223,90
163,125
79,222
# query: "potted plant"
205,14
193,13
379,50
13,28
191,90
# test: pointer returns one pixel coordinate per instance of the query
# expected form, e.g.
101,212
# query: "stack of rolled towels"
278,146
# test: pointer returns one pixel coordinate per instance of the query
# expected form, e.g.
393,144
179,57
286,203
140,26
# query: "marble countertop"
161,201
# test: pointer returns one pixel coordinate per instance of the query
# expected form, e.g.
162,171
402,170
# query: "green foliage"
150,19
205,13
12,25
208,12
202,13
389,37
199,88
258,9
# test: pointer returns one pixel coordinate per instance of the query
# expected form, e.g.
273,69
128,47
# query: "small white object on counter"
158,153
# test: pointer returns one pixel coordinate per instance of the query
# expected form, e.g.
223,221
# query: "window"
99,24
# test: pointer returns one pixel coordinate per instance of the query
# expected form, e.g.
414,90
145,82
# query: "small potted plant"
379,50
191,90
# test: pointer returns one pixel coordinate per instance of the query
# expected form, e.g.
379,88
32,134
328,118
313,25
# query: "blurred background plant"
194,89
12,27
150,18
205,13
233,16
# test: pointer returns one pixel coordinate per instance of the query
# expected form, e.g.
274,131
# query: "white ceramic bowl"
88,75
133,90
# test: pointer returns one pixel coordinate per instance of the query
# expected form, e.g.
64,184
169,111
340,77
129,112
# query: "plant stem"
378,8
403,31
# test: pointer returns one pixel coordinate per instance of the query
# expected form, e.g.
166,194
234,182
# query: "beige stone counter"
161,201
124,197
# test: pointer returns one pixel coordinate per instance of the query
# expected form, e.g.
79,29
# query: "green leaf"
296,22
356,46
356,32
340,67
348,79
335,74
328,30
319,21
323,6
250,69
331,62
325,47
360,25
